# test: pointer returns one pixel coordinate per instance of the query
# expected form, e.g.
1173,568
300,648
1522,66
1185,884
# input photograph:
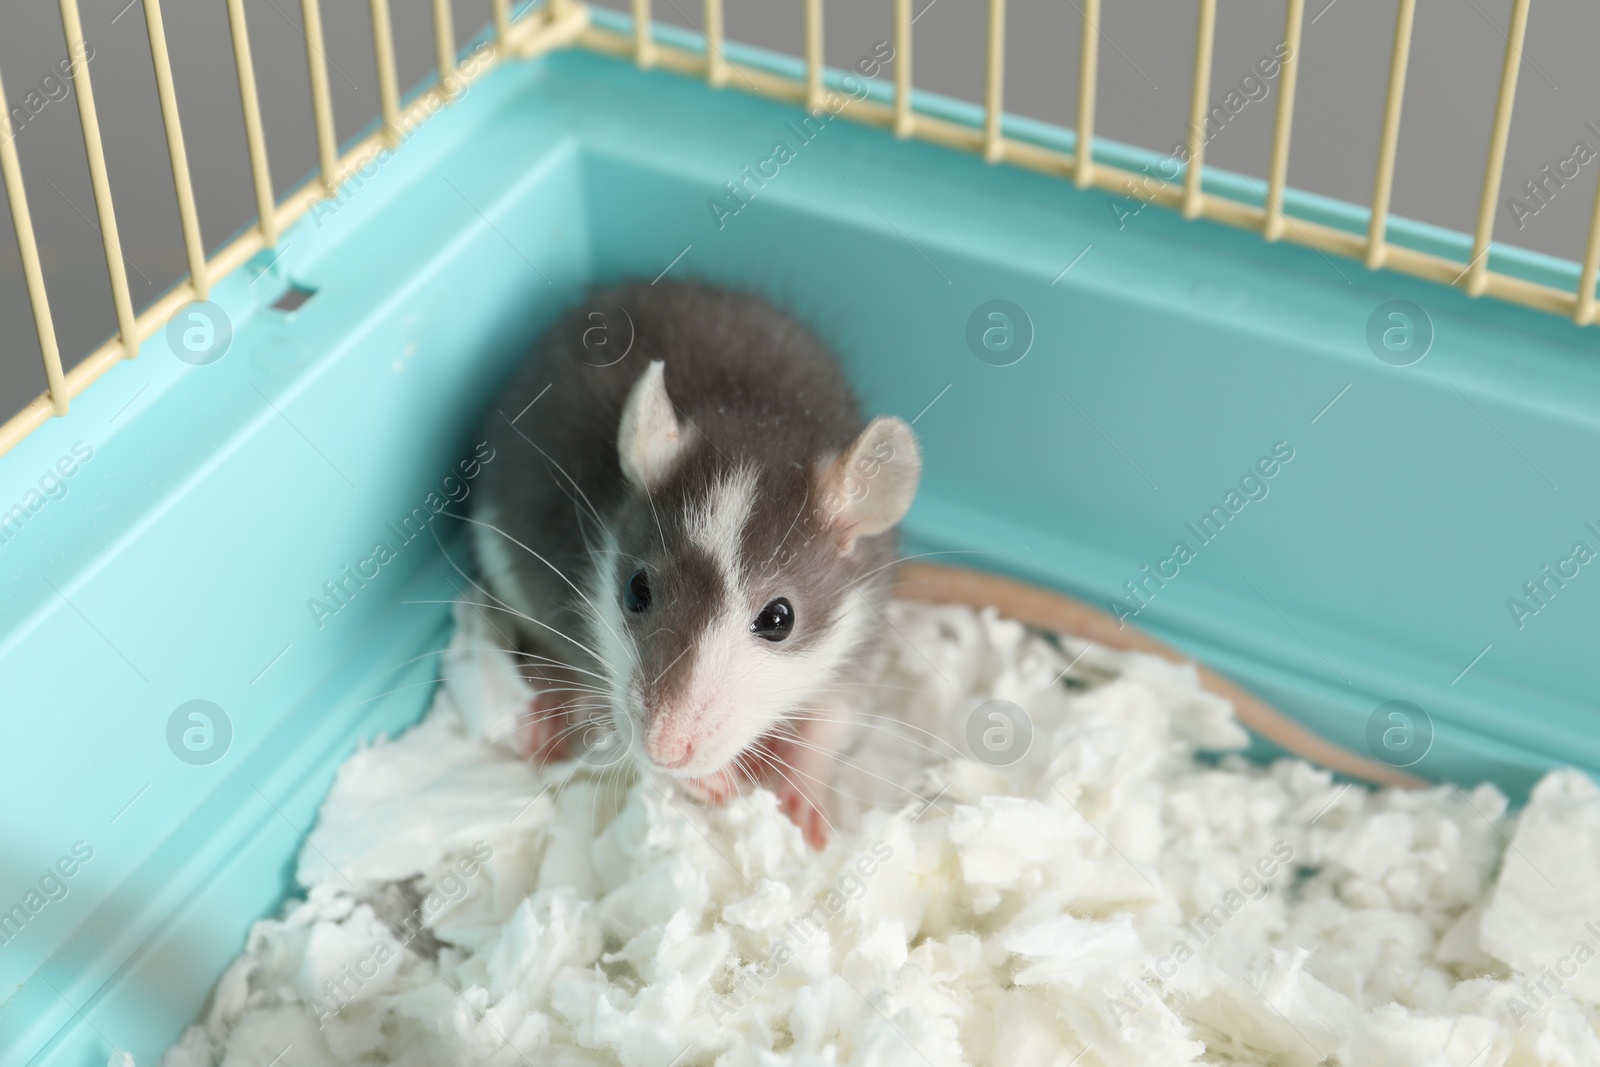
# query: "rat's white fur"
718,522
741,686
494,550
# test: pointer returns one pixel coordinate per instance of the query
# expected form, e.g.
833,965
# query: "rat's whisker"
577,507
391,692
526,718
550,460
792,522
554,743
651,497
852,764
877,722
478,608
465,576
619,552
743,767
829,785
520,615
837,682
418,658
587,690
557,665
925,555
887,724
777,763
559,573
517,653
610,785
594,803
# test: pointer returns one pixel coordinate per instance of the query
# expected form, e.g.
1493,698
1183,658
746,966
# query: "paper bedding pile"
1110,899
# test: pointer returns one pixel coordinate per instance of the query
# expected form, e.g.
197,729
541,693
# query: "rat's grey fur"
750,386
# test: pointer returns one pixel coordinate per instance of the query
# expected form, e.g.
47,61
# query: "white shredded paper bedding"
1111,899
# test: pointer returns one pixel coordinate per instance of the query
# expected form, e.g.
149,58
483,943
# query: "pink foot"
798,776
804,810
542,731
714,789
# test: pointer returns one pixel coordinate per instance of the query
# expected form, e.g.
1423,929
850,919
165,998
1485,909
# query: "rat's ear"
648,439
869,488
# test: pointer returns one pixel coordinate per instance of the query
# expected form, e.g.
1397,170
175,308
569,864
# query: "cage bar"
1088,80
565,22
32,270
502,22
1204,41
558,25
538,38
182,180
1324,238
1583,312
904,120
1028,156
644,43
388,82
121,298
254,135
994,91
321,100
1478,266
1389,141
1278,167
444,43
716,63
813,54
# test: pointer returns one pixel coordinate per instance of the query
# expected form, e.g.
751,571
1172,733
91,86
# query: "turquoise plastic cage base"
1164,363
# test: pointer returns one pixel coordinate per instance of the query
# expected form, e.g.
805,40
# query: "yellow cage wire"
563,23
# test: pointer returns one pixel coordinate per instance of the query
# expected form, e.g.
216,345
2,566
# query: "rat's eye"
775,621
636,593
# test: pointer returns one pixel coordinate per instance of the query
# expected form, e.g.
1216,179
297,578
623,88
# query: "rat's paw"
798,773
714,789
542,731
805,810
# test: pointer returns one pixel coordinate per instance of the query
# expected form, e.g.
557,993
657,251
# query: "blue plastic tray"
1163,365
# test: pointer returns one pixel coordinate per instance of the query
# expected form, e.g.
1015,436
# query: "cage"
169,518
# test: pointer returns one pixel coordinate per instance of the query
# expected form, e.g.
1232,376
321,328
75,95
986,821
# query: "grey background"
1146,59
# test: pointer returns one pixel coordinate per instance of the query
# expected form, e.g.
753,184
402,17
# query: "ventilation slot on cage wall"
293,298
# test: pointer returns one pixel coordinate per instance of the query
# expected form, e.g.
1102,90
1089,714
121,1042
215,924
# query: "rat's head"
727,592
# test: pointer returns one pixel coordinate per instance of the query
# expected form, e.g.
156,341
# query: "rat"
694,534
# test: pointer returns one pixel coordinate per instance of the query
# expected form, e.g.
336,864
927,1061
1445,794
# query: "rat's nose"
666,746
671,754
